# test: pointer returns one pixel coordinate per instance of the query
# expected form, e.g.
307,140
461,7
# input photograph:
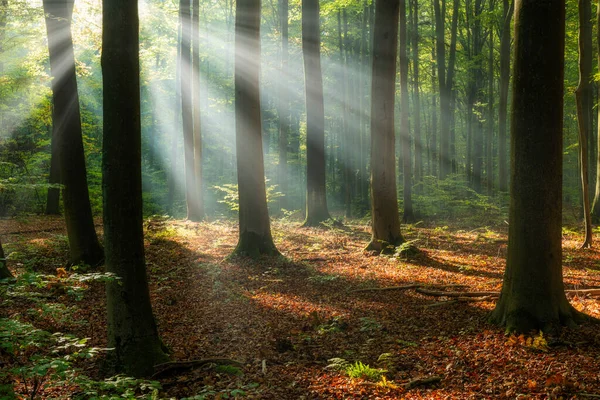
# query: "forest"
335,199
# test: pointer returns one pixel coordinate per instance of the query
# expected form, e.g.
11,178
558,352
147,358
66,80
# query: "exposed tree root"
162,369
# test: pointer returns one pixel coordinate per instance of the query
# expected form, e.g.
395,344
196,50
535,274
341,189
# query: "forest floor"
285,319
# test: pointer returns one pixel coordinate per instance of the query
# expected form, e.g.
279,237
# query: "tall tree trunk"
284,102
186,109
384,203
433,161
4,271
197,212
408,215
363,104
173,188
584,99
316,199
533,296
418,173
489,165
255,229
596,204
132,330
83,242
503,98
477,76
450,86
440,16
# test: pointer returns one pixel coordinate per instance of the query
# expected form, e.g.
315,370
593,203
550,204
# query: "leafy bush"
230,196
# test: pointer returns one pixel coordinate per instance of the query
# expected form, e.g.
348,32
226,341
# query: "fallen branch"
440,293
382,289
430,380
459,300
405,287
161,369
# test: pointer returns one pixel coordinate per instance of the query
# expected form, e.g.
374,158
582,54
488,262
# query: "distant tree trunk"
489,165
83,242
477,76
416,97
408,215
533,296
433,161
384,203
132,330
186,109
584,98
4,271
53,197
197,213
316,199
284,102
440,47
596,204
173,188
363,104
255,230
503,98
450,87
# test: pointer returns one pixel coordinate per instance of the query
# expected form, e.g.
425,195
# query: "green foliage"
452,198
369,325
358,370
230,197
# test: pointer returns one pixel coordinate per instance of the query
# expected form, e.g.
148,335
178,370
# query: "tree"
408,215
316,199
284,102
384,203
4,271
584,99
596,204
255,229
533,296
131,327
83,242
503,100
197,212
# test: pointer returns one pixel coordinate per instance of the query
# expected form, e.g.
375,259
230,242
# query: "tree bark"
503,98
384,205
418,172
197,212
132,330
255,230
408,215
284,102
4,271
83,241
584,100
533,296
53,196
316,199
173,187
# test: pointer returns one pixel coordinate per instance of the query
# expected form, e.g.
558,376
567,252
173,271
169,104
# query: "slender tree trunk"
186,109
433,161
503,98
4,271
284,102
316,199
489,165
255,229
450,86
384,204
418,173
132,330
197,212
176,123
440,16
583,96
408,215
533,296
83,242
